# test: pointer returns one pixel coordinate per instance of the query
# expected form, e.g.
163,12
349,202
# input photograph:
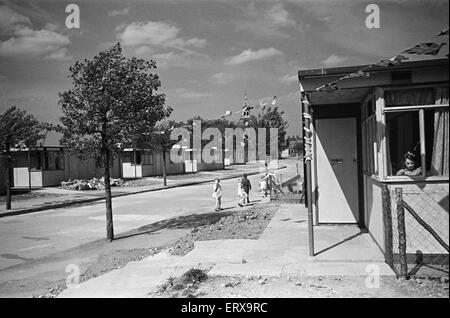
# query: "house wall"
52,177
21,177
156,169
2,178
86,169
373,206
209,166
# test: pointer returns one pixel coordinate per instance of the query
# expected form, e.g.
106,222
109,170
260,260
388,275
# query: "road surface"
28,237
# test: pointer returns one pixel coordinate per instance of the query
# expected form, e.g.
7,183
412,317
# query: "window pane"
441,95
35,160
437,142
410,97
138,158
403,137
127,156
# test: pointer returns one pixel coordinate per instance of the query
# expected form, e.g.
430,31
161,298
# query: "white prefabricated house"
362,132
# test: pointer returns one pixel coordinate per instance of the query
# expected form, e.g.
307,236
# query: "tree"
271,117
18,130
112,102
298,147
159,140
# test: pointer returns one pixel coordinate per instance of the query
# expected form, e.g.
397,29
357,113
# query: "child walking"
264,185
217,194
241,193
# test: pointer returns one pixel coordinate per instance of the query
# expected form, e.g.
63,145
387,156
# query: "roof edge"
334,71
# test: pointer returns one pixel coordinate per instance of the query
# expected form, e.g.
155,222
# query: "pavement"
53,197
282,250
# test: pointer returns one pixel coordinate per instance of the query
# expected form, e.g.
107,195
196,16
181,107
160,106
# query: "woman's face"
410,164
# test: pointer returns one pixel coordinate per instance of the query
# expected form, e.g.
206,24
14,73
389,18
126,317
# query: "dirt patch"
247,224
304,287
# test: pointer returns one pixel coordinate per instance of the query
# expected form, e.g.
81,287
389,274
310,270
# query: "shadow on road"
181,222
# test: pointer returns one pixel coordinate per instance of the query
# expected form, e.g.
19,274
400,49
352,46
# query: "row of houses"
362,136
48,164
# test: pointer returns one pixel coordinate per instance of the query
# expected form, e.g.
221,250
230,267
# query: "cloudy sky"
208,53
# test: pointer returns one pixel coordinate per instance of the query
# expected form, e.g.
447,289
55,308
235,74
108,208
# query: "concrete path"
281,250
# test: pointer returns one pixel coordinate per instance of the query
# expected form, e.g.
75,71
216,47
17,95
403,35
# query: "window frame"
421,113
53,157
369,137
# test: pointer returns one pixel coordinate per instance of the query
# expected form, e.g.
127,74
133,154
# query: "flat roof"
334,71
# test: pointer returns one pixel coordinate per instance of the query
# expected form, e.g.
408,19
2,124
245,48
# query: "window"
402,131
35,160
147,158
54,160
138,157
369,135
99,162
417,131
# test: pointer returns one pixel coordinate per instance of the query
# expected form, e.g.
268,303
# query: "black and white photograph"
230,156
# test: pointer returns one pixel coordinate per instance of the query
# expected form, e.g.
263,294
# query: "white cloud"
161,42
222,78
334,60
35,43
279,16
114,13
25,41
289,78
249,55
169,59
267,22
155,34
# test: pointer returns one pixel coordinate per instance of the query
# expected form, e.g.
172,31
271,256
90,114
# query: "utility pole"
308,158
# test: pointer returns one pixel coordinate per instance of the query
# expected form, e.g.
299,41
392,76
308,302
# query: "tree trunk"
109,217
164,167
8,178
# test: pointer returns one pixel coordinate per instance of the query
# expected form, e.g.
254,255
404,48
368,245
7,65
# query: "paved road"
24,238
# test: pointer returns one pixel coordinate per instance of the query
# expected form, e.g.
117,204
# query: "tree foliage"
18,130
113,101
271,117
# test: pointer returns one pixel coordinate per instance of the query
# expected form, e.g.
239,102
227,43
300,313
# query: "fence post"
401,232
387,218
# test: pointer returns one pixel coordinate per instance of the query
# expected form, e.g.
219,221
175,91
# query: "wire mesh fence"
419,230
286,187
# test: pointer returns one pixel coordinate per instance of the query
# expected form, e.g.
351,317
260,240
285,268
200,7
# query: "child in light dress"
410,166
264,185
217,194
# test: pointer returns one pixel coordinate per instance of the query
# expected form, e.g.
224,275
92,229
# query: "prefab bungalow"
2,178
361,133
138,163
48,164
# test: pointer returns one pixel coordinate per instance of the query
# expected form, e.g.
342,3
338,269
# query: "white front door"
337,170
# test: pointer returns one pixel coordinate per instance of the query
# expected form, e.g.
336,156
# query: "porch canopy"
354,90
